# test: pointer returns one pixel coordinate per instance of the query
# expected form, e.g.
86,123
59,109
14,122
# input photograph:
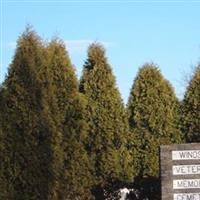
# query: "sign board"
180,171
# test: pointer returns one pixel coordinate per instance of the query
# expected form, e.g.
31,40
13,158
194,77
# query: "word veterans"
186,169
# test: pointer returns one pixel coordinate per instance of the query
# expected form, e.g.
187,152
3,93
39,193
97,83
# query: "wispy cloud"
11,45
74,46
79,46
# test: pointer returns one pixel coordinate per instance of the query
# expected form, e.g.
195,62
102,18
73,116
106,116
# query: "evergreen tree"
190,116
153,118
43,126
69,109
108,125
27,155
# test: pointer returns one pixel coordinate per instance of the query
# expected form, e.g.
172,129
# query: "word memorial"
180,171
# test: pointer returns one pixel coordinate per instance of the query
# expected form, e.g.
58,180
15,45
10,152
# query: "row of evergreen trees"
63,140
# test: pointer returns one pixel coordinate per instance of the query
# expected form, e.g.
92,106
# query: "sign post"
180,171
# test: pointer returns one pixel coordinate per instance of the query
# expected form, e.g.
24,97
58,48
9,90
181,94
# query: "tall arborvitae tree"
108,125
27,152
43,125
69,111
190,112
153,118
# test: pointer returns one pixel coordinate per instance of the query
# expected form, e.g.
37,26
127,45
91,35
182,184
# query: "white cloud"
11,45
74,46
79,46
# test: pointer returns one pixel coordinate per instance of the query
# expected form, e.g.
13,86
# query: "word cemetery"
180,171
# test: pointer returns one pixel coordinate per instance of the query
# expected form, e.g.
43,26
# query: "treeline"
64,139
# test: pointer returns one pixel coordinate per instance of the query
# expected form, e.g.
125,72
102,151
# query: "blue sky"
133,32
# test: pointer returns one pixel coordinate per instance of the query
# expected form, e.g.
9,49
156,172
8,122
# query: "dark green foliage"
26,139
147,188
4,160
75,177
108,125
43,126
190,116
153,118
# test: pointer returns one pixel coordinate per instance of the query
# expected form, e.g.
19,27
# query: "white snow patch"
123,193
